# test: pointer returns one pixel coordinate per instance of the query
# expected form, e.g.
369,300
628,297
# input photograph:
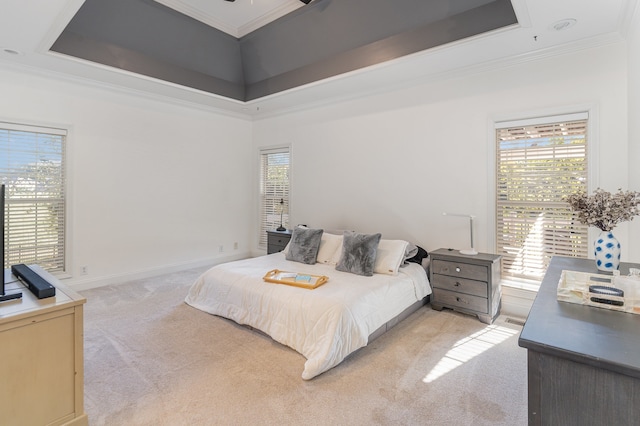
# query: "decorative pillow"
285,250
358,253
304,245
390,256
329,245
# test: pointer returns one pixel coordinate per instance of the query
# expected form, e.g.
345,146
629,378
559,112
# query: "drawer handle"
460,300
457,269
457,284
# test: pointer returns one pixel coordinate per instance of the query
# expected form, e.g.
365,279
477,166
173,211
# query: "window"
32,169
274,187
539,162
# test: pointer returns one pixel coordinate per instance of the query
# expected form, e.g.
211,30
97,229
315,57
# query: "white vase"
607,252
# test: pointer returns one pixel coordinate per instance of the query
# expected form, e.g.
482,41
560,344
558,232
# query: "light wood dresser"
41,357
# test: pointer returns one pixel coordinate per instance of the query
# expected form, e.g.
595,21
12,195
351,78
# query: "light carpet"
150,359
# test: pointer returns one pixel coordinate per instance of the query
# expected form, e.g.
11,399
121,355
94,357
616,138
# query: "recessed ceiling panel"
320,40
336,37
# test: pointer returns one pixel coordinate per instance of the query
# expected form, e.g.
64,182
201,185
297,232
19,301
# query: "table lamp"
280,209
470,251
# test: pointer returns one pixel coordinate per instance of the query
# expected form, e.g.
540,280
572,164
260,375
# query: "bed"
325,324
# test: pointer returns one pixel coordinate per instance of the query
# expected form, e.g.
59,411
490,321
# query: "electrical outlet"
84,270
221,248
235,245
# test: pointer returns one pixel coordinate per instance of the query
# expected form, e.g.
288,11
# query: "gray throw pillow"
304,245
358,253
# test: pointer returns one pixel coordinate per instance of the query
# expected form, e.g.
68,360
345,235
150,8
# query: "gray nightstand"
464,283
277,240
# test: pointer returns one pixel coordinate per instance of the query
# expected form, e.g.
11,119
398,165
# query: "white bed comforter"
325,324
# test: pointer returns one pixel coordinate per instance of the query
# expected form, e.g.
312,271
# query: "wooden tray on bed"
295,279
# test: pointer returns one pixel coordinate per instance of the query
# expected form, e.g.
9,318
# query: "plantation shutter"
32,169
274,186
539,163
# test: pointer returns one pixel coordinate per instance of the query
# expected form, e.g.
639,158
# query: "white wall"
156,187
633,51
394,162
153,186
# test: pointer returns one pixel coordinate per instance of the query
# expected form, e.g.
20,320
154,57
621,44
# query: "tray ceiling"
323,39
28,30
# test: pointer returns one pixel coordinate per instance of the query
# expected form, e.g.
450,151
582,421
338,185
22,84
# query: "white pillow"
390,256
329,244
338,253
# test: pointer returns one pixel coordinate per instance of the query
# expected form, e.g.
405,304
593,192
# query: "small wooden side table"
277,240
466,283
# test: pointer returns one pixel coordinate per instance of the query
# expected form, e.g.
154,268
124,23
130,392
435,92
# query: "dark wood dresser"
583,361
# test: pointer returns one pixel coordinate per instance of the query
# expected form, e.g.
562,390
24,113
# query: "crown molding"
62,76
236,32
302,98
267,18
263,112
522,13
199,15
59,24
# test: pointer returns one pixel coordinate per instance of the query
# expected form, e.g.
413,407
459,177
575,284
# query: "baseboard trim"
82,283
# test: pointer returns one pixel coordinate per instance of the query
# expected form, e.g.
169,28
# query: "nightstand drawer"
461,285
277,241
462,301
274,248
280,243
459,269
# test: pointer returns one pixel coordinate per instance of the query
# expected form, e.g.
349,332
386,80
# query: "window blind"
538,165
274,186
32,169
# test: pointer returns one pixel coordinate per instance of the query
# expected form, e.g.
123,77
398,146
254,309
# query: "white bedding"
325,324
